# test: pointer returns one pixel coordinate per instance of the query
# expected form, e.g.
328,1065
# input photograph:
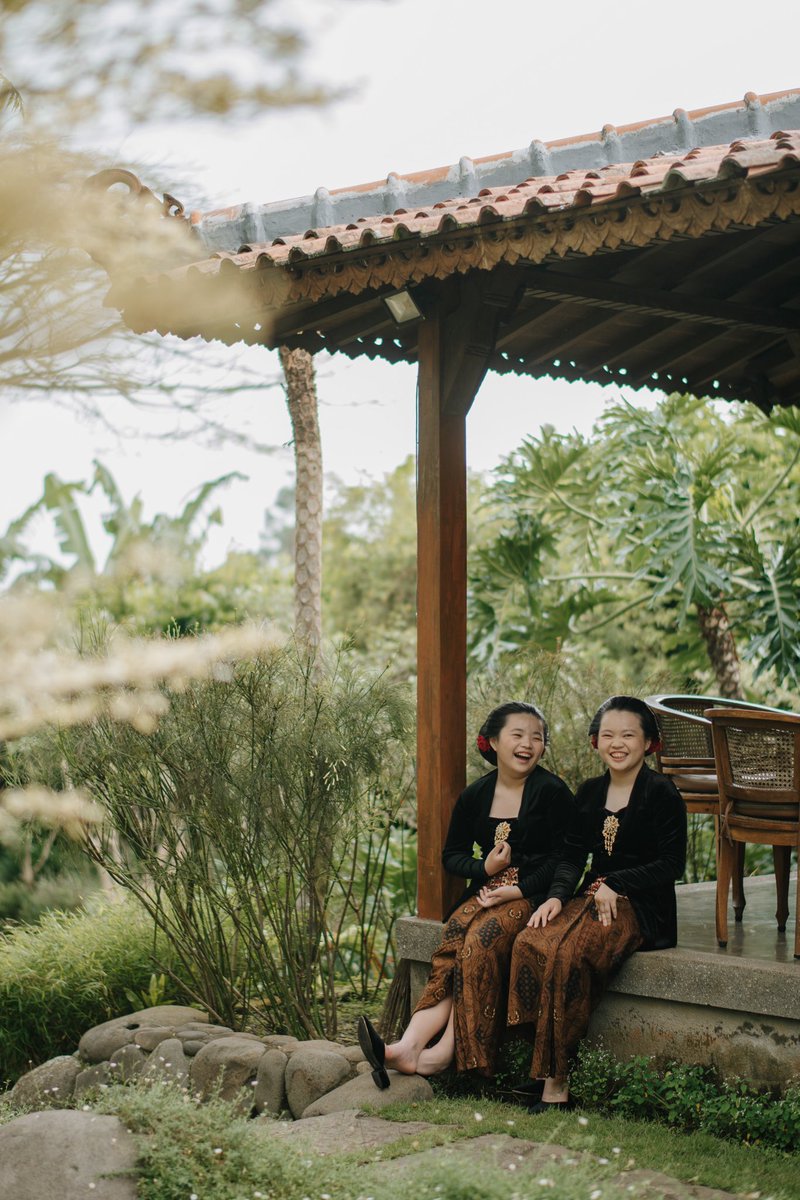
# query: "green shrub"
68,973
686,1097
66,892
258,825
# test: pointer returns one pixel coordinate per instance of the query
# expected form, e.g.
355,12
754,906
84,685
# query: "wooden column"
441,620
456,341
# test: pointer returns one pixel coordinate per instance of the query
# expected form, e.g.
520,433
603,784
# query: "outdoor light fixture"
402,307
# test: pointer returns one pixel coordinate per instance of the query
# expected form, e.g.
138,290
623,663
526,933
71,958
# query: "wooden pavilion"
665,254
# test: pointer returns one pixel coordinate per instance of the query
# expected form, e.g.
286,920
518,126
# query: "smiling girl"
632,821
517,814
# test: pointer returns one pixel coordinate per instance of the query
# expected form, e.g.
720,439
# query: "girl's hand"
605,901
487,897
498,858
545,912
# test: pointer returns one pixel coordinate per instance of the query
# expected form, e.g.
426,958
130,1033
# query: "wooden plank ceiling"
718,316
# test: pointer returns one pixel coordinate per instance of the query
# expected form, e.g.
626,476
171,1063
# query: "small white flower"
583,1120
603,1162
478,1116
615,1150
512,1166
595,1195
510,1122
218,1149
86,1108
545,1183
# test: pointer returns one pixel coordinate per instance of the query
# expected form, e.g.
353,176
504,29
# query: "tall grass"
68,973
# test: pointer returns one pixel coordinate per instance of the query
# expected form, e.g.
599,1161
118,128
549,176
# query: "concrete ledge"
737,1013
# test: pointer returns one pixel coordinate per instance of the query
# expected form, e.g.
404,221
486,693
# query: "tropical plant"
679,510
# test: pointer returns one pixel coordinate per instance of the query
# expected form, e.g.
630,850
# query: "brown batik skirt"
471,964
558,975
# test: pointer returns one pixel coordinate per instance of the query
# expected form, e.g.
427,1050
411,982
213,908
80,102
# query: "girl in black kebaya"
632,822
517,814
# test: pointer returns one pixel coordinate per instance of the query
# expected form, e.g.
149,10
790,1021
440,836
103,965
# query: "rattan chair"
757,756
687,757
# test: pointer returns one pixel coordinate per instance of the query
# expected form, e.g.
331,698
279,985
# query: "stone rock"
206,1027
92,1079
363,1068
350,1129
167,1061
361,1092
99,1044
128,1063
314,1044
230,1066
48,1086
353,1054
312,1072
69,1155
192,1036
148,1039
190,1048
270,1093
279,1041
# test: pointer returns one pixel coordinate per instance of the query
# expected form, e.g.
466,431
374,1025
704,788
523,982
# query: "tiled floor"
756,937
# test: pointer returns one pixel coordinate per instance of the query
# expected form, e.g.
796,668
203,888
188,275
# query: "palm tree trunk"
301,400
716,631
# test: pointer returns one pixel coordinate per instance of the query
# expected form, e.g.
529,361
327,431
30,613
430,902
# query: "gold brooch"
502,833
610,830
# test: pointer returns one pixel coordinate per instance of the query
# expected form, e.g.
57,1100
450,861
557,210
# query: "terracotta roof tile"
569,189
753,117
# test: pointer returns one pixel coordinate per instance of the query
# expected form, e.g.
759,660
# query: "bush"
686,1097
27,904
68,973
257,826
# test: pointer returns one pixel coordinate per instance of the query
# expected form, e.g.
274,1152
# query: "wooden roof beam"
555,286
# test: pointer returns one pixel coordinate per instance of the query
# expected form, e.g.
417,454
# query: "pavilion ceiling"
679,272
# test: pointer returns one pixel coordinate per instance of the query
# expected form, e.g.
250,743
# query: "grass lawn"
210,1152
696,1157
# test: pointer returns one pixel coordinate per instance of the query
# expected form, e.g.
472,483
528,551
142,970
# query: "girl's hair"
627,704
497,719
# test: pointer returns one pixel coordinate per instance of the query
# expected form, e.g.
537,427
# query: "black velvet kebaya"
648,855
536,838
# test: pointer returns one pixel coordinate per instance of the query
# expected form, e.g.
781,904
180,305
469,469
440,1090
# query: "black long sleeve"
649,852
545,812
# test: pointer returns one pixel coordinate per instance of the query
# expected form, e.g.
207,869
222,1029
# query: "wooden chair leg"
738,881
781,857
725,867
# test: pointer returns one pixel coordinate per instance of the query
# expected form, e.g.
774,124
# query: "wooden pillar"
441,619
456,342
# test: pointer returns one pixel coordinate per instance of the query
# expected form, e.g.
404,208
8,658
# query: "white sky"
435,79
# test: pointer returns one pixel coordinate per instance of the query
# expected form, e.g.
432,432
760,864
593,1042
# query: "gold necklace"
610,830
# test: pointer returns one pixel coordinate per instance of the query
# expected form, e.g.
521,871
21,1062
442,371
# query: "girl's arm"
457,856
560,814
670,861
573,860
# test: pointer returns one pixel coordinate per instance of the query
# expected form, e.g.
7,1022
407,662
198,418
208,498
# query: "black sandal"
374,1051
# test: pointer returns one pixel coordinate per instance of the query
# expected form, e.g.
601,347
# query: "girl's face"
621,742
520,744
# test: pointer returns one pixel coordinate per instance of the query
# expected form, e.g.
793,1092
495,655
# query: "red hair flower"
483,743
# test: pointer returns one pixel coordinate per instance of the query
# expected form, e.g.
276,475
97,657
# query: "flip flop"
374,1050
